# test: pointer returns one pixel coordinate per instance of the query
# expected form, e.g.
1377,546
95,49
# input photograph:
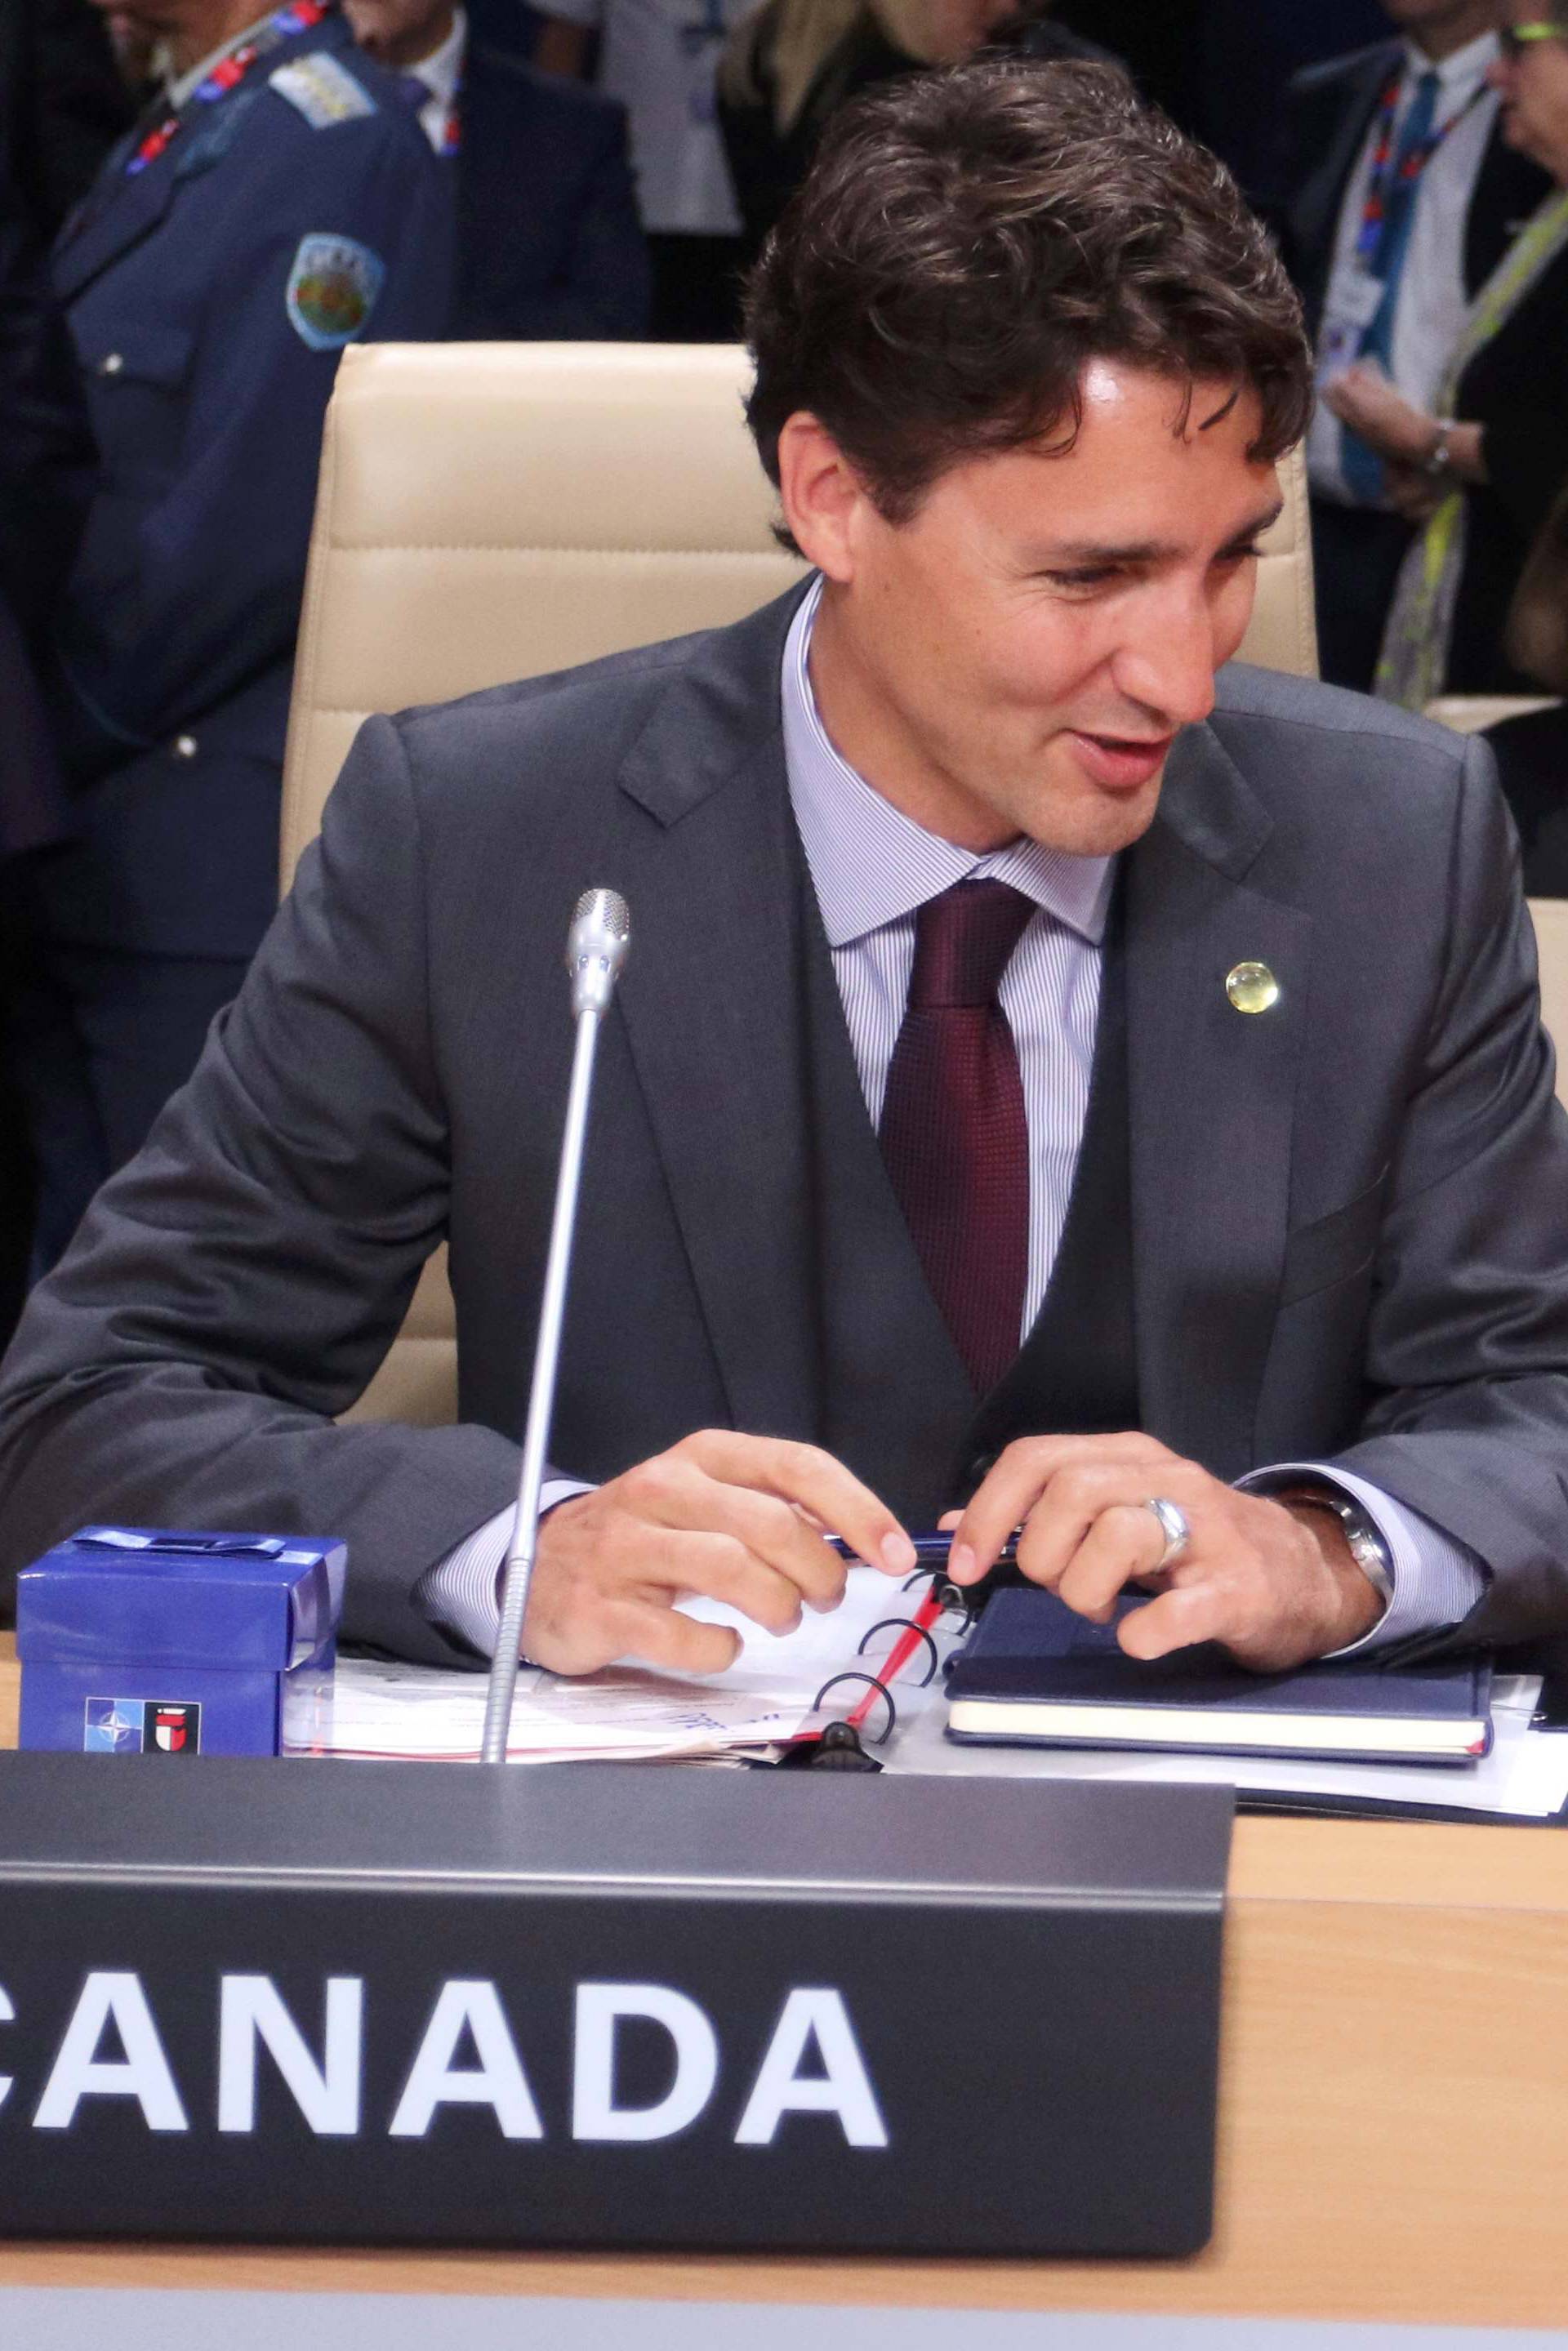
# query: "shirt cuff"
1437,1579
462,1593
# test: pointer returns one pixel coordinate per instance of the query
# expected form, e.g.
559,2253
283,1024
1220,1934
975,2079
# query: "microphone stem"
521,1551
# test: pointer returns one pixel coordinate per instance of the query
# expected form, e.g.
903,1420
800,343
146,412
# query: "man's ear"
822,497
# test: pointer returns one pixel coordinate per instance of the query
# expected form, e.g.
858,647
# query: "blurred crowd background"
201,205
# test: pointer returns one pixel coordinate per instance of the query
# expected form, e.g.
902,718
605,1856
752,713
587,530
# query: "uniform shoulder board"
324,91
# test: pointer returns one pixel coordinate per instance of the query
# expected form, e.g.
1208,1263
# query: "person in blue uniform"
278,202
550,246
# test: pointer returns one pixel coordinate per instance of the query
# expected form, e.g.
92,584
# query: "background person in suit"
659,57
548,243
1020,1096
1406,198
278,201
1478,467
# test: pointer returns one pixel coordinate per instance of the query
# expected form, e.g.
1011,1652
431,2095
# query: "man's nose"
1169,667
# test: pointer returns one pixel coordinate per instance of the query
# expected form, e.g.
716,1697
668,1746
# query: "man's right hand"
739,1519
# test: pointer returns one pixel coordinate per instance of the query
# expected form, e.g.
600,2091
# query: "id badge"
1354,300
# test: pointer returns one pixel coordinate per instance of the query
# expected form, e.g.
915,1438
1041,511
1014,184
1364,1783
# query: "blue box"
141,1641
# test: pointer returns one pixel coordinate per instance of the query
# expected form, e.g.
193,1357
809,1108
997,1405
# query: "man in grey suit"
1048,1085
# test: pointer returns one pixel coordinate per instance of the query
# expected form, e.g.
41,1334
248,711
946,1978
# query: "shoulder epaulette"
324,91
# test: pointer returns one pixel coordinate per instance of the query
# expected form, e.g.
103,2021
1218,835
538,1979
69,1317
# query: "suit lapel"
1315,213
703,848
1211,1094
118,212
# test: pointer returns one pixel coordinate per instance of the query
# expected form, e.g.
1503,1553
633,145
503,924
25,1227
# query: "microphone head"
596,948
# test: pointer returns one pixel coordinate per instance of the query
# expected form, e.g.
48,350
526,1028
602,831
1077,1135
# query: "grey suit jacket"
1350,1213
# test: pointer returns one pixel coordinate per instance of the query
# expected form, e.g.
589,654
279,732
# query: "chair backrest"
493,511
496,510
1551,918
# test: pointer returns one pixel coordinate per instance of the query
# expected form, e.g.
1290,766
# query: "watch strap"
1363,1538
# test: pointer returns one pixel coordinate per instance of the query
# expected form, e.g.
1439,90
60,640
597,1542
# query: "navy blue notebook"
1033,1673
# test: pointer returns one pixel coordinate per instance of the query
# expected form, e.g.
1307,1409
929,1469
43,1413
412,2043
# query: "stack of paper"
628,1713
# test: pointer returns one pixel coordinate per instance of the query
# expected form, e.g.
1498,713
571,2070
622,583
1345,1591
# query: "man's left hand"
1364,399
1273,1586
1411,494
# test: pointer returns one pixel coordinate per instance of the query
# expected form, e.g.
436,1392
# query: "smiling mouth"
1121,762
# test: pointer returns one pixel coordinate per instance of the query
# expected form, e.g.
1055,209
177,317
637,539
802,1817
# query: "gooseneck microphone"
596,948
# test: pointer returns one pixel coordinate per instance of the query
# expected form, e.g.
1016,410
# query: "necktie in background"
1362,467
954,1134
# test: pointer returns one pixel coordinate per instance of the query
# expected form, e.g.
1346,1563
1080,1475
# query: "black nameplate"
609,2006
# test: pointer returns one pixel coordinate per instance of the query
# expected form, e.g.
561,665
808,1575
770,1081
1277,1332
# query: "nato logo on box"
148,1641
138,1726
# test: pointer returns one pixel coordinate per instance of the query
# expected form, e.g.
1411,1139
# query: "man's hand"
1413,494
740,1519
1272,1587
1364,399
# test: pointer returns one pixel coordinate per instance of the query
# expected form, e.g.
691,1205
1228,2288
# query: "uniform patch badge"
332,289
324,91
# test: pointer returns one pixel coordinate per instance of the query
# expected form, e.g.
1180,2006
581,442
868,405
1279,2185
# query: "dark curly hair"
968,241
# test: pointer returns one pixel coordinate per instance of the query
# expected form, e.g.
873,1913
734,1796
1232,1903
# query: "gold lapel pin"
1252,987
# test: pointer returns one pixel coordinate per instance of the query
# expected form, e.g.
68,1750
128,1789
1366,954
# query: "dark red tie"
954,1134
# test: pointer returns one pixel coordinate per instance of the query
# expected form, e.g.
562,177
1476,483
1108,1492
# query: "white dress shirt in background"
660,58
440,72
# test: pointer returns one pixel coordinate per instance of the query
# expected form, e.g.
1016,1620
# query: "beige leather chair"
492,511
1551,917
1468,714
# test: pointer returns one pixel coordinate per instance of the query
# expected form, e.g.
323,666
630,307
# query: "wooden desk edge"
1278,1866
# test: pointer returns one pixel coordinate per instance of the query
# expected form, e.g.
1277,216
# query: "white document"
628,1712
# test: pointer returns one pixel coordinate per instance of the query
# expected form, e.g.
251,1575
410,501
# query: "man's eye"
1241,554
1096,577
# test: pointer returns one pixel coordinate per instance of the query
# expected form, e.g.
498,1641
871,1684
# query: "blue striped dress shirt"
871,867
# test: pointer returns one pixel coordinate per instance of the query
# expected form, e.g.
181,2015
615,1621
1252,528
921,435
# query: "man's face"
139,24
1533,87
399,33
1018,656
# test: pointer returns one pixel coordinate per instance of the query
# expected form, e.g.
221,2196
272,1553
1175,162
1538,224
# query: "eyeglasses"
1517,38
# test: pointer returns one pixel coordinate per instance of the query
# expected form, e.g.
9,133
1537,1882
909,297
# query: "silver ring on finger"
1172,1525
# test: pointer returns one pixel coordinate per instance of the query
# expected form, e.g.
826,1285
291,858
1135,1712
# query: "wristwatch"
1365,1545
1438,461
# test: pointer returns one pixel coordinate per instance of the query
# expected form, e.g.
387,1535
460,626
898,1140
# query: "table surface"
1394,2131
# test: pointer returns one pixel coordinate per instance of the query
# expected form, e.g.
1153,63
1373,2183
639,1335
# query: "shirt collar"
185,89
442,70
870,863
1459,74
